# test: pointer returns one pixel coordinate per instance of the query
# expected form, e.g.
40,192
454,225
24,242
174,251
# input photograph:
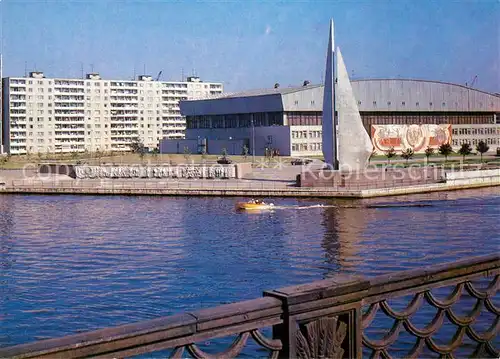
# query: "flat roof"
288,90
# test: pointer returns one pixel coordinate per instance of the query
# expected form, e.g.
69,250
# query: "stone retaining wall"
472,177
289,192
371,178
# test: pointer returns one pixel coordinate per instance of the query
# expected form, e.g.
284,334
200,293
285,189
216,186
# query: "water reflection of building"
325,240
7,206
344,226
6,259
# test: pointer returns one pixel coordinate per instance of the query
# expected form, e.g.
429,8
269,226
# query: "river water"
78,263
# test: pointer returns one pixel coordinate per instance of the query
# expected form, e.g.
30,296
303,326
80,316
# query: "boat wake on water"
306,207
382,205
398,205
272,207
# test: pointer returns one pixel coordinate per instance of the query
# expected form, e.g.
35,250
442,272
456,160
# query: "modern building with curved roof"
397,113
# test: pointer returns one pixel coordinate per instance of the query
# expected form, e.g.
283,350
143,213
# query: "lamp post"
253,141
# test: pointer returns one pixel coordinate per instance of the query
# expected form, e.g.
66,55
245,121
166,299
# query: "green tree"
98,155
3,160
407,154
429,151
224,152
155,152
136,146
445,150
482,147
203,151
74,155
142,153
465,150
390,153
245,152
187,153
373,154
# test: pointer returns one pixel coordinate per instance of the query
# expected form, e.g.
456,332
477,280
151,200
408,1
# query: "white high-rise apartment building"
52,115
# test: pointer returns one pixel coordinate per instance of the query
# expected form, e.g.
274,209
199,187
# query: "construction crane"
472,83
159,75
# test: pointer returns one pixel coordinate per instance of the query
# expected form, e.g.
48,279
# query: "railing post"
327,311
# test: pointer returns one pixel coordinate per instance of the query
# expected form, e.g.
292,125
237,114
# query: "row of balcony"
71,104
124,133
124,98
122,125
17,89
69,97
68,126
123,92
69,133
122,84
68,83
70,140
69,90
70,112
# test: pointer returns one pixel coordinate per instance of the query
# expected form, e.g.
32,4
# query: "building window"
359,102
296,102
417,104
374,103
403,103
443,104
430,103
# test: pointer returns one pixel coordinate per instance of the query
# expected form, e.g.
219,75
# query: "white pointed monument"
346,145
329,137
353,143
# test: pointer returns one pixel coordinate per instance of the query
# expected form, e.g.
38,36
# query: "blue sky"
253,44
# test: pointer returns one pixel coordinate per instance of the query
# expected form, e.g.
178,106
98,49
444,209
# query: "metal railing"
328,318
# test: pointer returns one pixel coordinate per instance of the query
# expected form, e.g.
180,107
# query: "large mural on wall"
416,137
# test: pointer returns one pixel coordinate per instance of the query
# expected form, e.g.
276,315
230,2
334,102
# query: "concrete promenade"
262,182
229,188
298,192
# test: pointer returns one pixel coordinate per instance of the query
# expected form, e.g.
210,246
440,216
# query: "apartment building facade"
55,115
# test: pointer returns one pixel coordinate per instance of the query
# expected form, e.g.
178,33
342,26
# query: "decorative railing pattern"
177,332
424,337
331,318
274,347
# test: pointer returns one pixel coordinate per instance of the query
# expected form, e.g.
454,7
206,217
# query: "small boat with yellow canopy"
254,205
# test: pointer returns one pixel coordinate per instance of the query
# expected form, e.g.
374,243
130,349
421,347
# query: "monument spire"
354,143
329,137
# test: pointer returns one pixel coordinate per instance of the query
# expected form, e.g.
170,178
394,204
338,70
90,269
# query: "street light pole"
253,142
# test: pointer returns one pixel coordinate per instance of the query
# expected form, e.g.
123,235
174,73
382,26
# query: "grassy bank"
18,162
